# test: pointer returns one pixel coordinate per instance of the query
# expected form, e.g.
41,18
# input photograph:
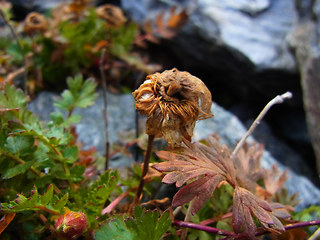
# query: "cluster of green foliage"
72,46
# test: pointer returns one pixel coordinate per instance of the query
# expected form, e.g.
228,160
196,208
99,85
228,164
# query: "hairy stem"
278,99
105,103
145,168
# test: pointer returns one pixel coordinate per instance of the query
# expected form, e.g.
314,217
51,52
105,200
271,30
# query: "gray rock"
254,29
121,115
230,129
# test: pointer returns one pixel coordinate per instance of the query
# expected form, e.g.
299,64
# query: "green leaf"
20,145
71,154
148,225
80,94
19,169
12,97
60,203
46,197
115,229
24,203
100,190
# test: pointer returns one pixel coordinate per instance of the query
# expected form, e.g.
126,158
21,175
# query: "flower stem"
187,218
105,104
276,100
229,234
145,168
203,228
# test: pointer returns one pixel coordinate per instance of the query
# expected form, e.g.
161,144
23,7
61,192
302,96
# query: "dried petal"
35,22
173,101
112,14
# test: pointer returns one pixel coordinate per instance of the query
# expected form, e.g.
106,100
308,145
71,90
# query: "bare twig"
145,169
187,218
276,100
11,76
105,112
203,228
115,202
315,235
138,81
20,49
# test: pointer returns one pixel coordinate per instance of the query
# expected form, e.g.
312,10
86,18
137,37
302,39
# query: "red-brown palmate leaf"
274,180
246,205
199,191
207,165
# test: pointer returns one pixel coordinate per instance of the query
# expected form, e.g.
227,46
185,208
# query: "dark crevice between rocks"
236,86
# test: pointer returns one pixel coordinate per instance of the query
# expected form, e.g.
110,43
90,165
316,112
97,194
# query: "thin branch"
278,99
115,202
229,234
203,228
105,103
20,49
20,161
187,218
145,169
315,235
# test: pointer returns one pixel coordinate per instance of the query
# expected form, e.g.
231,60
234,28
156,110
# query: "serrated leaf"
20,145
100,190
60,203
245,204
26,203
148,225
46,197
12,97
208,166
115,229
71,154
198,191
18,169
80,94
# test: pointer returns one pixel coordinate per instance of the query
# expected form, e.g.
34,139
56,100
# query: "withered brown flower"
173,101
35,22
112,14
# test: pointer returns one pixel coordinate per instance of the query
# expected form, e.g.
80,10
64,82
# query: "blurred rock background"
247,52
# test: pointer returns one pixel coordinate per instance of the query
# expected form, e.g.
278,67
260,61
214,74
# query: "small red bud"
71,224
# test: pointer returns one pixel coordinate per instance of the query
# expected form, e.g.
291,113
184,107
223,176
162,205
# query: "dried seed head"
35,22
112,14
173,101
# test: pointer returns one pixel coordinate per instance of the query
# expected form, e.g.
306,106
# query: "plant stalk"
278,99
229,234
187,218
20,49
105,103
145,169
